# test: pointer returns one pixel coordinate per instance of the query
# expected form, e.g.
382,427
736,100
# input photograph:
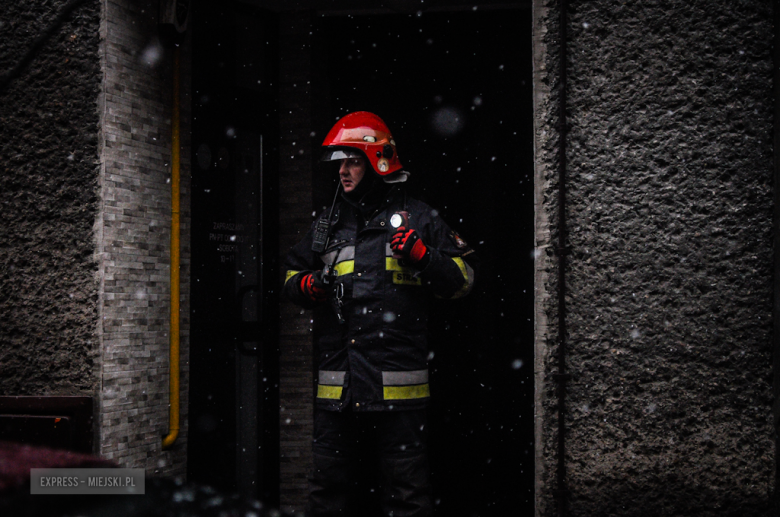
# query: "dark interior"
455,89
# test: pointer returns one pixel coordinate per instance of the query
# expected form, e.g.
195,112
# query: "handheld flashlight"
399,219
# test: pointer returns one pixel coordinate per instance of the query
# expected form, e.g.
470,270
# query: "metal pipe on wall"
173,381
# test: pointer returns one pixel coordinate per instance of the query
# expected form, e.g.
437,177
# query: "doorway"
233,442
455,89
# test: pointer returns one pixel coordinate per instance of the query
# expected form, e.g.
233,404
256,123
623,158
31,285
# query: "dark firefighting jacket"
377,358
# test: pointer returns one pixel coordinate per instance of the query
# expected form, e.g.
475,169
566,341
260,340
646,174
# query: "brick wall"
133,238
295,205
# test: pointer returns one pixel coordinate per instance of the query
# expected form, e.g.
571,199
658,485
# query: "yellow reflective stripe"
402,275
407,392
391,264
290,274
467,273
462,266
329,392
345,268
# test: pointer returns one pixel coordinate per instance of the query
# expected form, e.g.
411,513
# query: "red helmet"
367,133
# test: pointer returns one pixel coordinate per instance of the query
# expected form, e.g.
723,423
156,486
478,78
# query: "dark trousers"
399,441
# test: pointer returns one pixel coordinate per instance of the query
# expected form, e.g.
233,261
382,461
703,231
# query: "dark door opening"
455,89
233,441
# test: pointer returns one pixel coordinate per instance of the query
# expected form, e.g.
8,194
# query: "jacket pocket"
330,384
405,385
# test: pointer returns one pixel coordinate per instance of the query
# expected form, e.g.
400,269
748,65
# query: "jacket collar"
376,196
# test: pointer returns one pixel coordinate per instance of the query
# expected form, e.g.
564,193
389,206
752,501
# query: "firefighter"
369,267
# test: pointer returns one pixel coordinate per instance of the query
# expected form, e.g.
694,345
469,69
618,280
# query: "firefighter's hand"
408,246
313,287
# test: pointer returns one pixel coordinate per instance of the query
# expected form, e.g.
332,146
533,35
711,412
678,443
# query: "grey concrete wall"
48,180
669,300
133,238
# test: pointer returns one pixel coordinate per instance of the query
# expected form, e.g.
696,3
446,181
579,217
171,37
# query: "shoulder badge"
457,240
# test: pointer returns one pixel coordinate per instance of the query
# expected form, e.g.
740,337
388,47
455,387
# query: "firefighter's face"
351,172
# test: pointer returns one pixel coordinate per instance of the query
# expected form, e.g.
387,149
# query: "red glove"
407,245
313,288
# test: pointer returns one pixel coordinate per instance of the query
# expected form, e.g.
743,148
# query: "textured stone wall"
48,181
295,209
85,237
669,211
133,238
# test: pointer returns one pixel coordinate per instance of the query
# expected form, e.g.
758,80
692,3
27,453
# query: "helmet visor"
330,154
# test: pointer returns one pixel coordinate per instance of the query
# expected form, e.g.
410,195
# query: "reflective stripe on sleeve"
290,274
468,275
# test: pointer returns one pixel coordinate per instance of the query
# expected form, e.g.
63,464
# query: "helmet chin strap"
333,204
